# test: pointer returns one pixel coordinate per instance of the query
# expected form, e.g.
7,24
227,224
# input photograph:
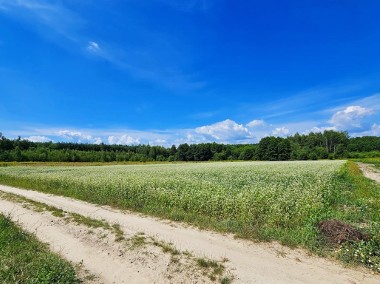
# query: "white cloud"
321,129
280,131
74,134
159,142
123,140
350,117
98,140
224,131
38,139
78,136
93,47
375,129
256,123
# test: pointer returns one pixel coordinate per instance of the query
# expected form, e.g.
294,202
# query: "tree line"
327,145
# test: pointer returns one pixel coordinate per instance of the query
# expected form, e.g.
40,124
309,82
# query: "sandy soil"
370,172
248,261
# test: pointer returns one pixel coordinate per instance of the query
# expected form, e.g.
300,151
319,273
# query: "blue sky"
167,72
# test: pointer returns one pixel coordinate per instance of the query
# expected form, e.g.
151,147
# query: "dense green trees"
274,149
329,144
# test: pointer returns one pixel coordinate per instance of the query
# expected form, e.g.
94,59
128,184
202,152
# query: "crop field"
281,201
245,194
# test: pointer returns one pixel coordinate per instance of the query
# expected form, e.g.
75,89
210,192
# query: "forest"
327,145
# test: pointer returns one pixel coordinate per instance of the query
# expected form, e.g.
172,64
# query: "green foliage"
274,149
358,203
364,144
329,144
25,260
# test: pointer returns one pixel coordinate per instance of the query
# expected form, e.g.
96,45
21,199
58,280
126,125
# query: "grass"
69,217
215,270
373,161
119,234
23,259
259,201
168,248
226,280
358,203
212,268
36,206
137,241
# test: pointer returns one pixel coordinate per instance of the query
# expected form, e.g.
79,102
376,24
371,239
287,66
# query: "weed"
137,241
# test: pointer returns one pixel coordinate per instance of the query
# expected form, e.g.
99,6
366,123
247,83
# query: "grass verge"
69,217
358,204
23,259
373,161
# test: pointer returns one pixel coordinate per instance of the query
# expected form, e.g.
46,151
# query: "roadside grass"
68,216
348,197
23,259
373,161
358,204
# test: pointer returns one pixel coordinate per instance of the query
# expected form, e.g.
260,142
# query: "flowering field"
283,201
243,194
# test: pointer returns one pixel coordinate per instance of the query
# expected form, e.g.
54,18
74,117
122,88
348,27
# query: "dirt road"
370,172
248,262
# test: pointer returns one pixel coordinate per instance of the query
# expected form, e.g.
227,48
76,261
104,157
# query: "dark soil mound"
337,232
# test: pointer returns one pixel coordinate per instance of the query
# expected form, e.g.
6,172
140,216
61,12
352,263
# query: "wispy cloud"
189,5
309,101
256,123
93,47
160,62
45,17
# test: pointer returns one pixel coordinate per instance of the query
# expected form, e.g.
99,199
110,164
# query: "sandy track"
72,248
369,172
249,262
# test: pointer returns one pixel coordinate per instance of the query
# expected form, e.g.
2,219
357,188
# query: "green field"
25,260
281,201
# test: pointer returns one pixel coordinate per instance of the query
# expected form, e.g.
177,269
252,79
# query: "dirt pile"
337,232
